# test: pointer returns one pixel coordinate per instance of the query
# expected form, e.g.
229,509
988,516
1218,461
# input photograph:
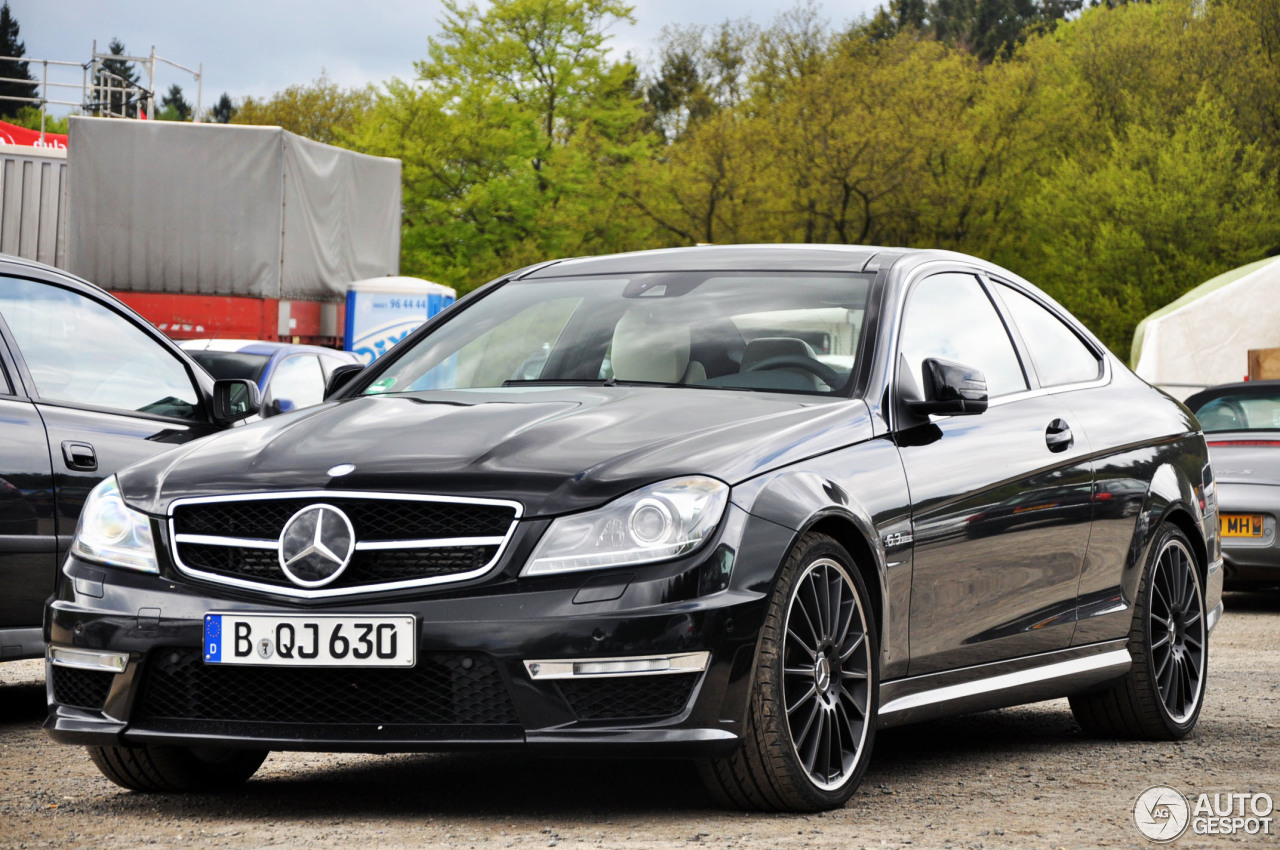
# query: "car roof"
1238,388
792,257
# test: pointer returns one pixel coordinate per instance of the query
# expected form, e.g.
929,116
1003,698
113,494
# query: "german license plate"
311,640
1242,525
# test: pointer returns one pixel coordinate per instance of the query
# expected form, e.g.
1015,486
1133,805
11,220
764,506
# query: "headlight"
655,523
110,532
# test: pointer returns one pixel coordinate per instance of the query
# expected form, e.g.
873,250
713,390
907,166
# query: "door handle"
79,455
1058,436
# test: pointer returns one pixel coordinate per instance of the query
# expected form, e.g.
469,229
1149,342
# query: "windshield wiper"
596,382
569,382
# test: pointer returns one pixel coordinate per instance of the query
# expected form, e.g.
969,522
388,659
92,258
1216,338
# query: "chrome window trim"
329,593
942,266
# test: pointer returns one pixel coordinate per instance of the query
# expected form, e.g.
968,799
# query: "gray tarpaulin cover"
215,209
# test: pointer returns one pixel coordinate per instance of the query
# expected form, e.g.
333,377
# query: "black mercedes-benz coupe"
742,504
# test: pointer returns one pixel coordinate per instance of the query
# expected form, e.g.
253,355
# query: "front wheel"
168,769
1161,696
811,720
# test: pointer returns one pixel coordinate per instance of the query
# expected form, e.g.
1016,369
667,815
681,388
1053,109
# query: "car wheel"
811,719
176,768
1161,696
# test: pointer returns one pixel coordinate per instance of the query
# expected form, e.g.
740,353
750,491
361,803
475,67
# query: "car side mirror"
340,377
235,399
951,389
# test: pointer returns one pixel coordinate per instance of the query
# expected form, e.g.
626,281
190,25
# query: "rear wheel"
811,720
177,768
1161,696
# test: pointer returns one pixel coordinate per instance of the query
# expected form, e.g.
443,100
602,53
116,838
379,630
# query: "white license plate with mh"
309,640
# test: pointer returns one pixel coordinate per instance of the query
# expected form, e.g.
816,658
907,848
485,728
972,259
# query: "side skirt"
1002,683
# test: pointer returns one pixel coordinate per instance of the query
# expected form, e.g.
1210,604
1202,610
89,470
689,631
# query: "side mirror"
951,389
340,377
234,399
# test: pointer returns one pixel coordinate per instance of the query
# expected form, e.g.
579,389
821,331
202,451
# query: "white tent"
1204,337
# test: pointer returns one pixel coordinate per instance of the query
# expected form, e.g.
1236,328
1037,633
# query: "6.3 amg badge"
316,545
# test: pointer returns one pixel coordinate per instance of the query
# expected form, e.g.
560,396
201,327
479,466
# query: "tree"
223,110
323,110
116,85
1172,205
512,138
173,106
11,67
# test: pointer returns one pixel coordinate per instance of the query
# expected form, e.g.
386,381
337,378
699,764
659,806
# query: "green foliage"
115,82
173,106
1117,157
511,138
222,111
1169,208
322,110
29,117
12,68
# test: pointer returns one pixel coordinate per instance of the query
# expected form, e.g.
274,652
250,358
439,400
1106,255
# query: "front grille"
373,519
443,689
81,688
468,538
629,697
371,566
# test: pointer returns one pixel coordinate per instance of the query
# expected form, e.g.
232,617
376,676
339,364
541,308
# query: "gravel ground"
1023,777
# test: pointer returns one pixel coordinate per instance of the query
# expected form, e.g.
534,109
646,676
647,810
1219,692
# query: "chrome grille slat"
208,539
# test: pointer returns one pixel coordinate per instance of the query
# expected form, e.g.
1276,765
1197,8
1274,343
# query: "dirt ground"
1023,777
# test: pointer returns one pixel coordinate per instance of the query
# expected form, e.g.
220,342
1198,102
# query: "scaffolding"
103,93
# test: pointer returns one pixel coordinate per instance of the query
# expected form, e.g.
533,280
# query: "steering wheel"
821,370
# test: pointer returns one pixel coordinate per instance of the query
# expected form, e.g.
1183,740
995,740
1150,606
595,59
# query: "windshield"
777,332
1246,411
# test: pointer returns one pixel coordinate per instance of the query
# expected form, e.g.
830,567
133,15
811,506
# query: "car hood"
1249,458
553,449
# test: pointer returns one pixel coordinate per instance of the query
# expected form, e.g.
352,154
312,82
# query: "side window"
1060,357
297,382
81,352
950,317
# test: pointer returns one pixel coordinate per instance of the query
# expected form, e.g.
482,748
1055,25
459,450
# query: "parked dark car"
1242,424
289,376
746,542
86,387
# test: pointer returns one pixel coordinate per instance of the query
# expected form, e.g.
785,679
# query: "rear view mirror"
234,399
340,377
951,389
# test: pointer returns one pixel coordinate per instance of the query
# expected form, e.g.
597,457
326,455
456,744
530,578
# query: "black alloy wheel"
811,721
1161,696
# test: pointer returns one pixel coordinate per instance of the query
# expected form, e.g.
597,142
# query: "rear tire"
811,719
1161,696
177,769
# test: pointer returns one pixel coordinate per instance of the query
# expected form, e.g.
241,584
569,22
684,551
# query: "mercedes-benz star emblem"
316,545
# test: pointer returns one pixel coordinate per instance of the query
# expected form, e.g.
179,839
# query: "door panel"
1001,525
117,440
28,560
1000,500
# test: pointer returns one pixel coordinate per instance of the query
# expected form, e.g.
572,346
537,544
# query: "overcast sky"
257,47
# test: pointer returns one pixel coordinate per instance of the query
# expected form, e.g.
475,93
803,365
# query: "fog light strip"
603,668
88,659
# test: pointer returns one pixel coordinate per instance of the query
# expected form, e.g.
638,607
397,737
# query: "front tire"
180,769
811,720
1161,696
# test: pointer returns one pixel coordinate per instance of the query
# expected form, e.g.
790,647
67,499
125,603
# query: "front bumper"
470,688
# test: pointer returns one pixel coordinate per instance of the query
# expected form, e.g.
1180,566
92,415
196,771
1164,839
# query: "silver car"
1242,425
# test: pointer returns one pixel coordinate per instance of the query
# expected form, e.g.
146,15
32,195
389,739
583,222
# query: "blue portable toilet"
381,311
